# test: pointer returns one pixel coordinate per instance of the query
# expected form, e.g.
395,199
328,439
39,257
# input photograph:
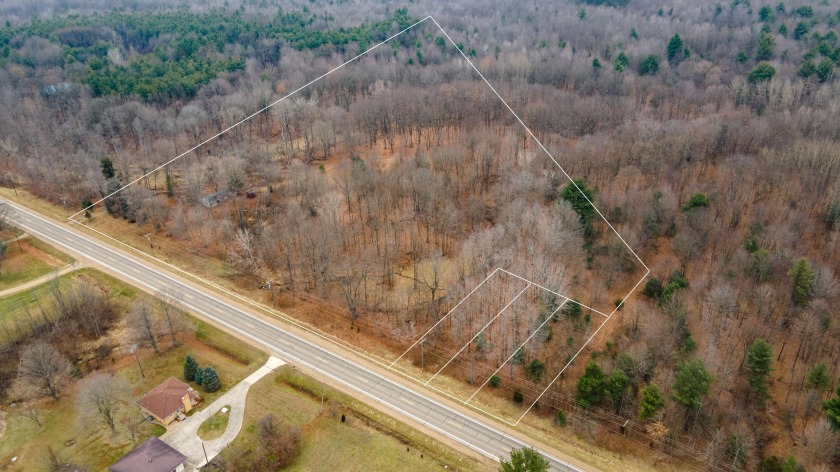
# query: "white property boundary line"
582,347
277,314
441,320
552,291
521,346
450,312
283,317
480,331
243,120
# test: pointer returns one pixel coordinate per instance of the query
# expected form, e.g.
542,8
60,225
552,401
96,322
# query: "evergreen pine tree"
765,48
107,167
832,411
817,378
692,382
211,380
802,276
621,62
650,66
199,375
759,364
579,195
616,387
651,403
190,366
590,387
675,46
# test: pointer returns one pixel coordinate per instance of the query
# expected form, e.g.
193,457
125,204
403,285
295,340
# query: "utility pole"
322,398
133,350
422,359
206,460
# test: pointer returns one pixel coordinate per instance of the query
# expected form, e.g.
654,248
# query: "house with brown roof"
152,455
168,400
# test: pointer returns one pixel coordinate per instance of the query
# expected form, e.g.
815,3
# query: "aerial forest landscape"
606,230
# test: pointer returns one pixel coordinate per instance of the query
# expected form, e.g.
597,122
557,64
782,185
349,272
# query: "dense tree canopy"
379,197
195,55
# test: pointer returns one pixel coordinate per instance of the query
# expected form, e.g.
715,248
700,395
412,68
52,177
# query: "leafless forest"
705,133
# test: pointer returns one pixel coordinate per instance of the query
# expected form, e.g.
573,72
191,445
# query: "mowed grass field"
366,440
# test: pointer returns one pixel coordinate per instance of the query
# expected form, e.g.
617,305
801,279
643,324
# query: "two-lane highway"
453,424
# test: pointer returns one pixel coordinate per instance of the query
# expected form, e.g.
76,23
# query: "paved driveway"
183,435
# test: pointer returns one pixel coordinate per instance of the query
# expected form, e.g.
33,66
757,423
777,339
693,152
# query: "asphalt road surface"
457,426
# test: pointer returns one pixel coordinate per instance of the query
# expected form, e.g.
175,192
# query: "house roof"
152,455
165,399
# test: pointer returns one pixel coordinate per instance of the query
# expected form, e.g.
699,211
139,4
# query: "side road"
42,279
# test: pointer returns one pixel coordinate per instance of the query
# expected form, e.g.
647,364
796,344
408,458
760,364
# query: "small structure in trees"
219,197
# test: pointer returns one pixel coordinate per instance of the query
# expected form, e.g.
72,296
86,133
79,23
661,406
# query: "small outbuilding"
152,455
219,197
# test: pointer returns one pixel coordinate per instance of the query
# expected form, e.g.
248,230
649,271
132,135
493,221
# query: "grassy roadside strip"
380,421
48,249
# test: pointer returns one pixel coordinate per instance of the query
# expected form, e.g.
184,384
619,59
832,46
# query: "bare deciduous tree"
100,400
821,443
143,324
243,253
351,280
43,369
30,412
169,306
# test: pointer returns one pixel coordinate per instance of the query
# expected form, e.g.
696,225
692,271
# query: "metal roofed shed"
212,200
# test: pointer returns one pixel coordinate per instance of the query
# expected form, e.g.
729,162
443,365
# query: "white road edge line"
316,347
282,317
